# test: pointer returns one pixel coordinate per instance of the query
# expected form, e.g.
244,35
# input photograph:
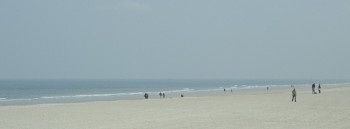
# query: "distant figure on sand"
294,94
160,95
313,88
267,88
224,90
163,95
146,96
319,88
231,90
182,95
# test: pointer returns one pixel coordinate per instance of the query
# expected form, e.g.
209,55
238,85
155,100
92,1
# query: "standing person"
319,88
163,95
313,88
146,96
294,94
267,89
231,90
224,90
160,95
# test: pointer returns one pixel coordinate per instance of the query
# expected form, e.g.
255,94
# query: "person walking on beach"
319,88
313,88
160,95
146,96
163,95
294,94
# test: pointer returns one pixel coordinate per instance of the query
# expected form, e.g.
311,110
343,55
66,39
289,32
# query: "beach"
249,109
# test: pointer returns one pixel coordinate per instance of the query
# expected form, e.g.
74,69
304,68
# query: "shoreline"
204,93
41,91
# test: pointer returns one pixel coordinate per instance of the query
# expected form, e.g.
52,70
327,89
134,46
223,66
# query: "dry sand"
251,109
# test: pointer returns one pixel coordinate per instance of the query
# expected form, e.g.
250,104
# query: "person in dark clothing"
163,95
224,90
146,96
294,94
313,88
160,95
319,88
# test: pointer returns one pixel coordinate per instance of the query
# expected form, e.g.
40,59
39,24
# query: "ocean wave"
80,96
102,96
91,95
10,100
177,91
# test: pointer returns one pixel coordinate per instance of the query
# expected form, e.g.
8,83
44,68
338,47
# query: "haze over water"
131,39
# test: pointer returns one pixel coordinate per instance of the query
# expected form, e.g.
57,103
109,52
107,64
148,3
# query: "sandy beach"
250,109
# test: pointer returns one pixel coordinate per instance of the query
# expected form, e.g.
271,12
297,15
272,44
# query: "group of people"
160,95
225,90
294,93
313,88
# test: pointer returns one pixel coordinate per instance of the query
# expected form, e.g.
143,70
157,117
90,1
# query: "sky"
180,39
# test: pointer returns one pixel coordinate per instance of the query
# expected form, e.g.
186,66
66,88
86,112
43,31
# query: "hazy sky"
265,39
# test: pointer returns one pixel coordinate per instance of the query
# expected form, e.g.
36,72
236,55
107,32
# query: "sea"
31,91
